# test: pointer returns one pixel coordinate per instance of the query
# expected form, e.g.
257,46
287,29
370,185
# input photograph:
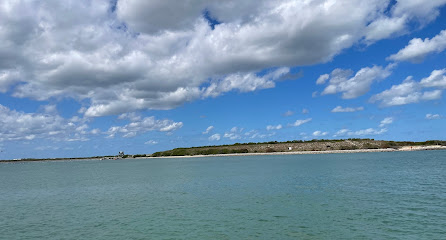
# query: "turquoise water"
397,195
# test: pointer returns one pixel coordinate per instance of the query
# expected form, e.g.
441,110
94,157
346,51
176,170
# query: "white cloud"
8,78
144,125
346,109
368,131
161,54
431,95
436,79
340,81
322,79
385,27
151,142
410,91
232,135
271,127
404,93
236,129
418,49
423,11
243,82
95,131
215,137
297,123
134,117
432,116
342,132
288,113
172,127
254,134
386,121
365,132
18,126
208,130
362,132
319,133
397,20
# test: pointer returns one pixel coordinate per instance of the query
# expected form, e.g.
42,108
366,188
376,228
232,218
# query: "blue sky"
86,78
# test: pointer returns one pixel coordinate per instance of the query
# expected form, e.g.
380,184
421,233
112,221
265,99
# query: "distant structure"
121,154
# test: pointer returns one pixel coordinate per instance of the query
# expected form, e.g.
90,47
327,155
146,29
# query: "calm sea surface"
399,195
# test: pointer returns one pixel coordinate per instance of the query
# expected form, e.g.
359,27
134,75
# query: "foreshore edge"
403,149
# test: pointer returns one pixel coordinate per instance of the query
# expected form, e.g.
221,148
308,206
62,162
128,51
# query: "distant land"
273,147
299,146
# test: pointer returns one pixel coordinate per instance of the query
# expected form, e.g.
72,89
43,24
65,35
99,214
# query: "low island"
351,145
315,146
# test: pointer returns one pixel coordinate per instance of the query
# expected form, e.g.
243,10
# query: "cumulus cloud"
319,133
396,21
401,94
160,54
215,137
143,125
386,121
385,27
410,91
430,116
297,123
346,109
271,127
243,83
418,49
208,129
20,126
437,79
342,81
424,11
234,133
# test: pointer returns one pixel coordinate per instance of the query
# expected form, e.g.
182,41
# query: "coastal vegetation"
295,145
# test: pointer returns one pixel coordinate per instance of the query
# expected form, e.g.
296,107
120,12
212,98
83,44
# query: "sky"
85,78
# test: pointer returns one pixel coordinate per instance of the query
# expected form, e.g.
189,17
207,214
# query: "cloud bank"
125,56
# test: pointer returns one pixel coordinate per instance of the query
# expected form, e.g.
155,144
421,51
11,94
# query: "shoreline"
402,149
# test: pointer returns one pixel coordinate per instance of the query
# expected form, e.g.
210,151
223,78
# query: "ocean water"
395,195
